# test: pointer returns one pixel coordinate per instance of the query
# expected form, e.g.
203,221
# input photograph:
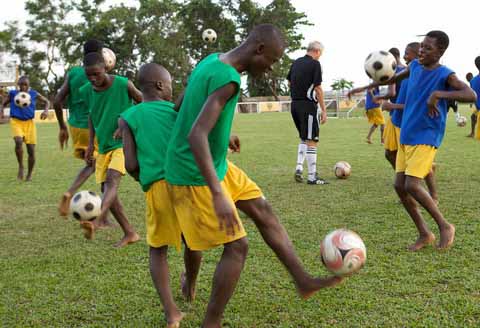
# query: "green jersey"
210,75
77,110
105,108
151,124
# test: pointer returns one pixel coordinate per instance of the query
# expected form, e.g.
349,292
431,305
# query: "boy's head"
469,76
477,62
265,46
95,68
433,47
411,51
155,81
315,49
395,52
23,83
92,46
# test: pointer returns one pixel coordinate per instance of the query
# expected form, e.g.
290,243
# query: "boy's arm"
134,93
388,106
43,99
391,92
179,101
129,150
5,102
91,143
198,140
396,79
462,92
58,106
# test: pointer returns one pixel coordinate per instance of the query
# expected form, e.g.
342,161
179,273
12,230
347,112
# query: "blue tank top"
369,104
22,113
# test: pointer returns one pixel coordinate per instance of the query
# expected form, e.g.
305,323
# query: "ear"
159,85
260,48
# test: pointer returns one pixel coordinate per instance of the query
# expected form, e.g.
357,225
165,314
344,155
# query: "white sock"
457,115
312,162
302,151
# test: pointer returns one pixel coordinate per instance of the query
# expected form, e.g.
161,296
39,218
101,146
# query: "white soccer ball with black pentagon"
380,66
461,121
342,170
22,99
85,205
109,58
209,35
343,252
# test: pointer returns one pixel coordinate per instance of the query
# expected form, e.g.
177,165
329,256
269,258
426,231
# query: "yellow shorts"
397,135
163,228
389,136
113,160
25,129
80,139
415,161
375,116
477,129
196,215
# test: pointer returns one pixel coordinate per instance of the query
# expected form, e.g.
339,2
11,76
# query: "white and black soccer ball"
461,121
342,170
209,35
85,205
343,252
109,58
22,99
380,66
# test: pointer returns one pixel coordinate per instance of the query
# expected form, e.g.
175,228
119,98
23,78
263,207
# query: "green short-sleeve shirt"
77,109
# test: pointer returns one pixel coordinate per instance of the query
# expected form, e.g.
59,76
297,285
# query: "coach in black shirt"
305,77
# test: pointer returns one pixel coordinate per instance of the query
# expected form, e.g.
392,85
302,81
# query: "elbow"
131,168
473,96
193,137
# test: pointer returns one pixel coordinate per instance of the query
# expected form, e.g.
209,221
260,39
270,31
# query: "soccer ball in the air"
342,170
343,252
85,205
209,35
22,99
109,58
461,121
380,66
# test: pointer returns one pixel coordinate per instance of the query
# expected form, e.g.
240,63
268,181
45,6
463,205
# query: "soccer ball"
342,170
461,121
209,35
85,205
343,252
380,66
109,58
22,99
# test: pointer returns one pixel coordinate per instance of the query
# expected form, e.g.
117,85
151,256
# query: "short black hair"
268,34
441,38
92,45
395,52
92,59
22,78
477,62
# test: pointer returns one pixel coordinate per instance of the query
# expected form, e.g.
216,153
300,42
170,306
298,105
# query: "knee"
411,186
262,213
239,248
399,187
18,144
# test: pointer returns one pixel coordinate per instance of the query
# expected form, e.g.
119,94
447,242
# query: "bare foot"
316,284
64,206
187,291
88,229
447,235
20,173
127,239
28,178
106,223
369,141
421,242
470,135
174,322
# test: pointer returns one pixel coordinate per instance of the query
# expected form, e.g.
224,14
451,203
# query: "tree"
341,85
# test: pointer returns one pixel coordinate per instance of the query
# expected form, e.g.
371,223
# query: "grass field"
51,277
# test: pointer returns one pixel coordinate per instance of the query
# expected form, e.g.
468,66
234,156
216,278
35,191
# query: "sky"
351,29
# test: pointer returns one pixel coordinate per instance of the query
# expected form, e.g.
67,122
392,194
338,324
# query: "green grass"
51,277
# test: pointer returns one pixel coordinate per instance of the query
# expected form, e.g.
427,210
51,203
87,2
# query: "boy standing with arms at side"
107,96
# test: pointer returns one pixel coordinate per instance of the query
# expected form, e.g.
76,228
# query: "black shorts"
305,117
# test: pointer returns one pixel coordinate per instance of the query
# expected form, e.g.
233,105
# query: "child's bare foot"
106,223
187,290
20,173
422,241
64,206
88,229
28,178
368,141
129,238
316,284
447,235
470,135
174,321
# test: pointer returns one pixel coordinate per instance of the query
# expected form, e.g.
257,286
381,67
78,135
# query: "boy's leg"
225,280
431,184
31,161
161,280
382,128
425,235
473,120
447,231
391,156
370,132
19,153
277,239
82,176
192,260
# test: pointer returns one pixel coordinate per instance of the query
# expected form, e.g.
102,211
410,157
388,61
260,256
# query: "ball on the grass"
380,66
85,205
342,170
22,99
343,252
461,121
209,35
109,58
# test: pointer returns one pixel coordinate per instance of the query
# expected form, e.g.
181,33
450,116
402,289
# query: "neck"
108,83
432,65
237,58
154,97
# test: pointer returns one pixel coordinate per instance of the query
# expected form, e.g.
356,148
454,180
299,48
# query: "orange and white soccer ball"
343,252
109,58
342,170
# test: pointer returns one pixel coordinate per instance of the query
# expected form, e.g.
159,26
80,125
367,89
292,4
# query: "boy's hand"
44,115
234,144
387,106
117,134
225,214
323,117
63,137
89,155
432,105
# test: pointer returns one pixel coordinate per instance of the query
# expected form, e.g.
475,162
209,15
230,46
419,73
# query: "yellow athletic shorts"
415,161
477,128
163,228
397,135
375,116
113,160
80,139
196,215
25,129
389,136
